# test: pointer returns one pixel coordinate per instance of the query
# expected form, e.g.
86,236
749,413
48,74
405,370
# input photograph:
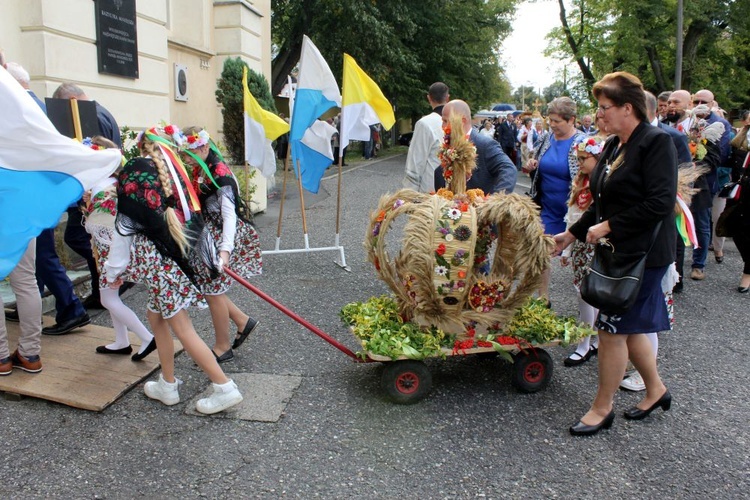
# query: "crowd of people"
613,178
171,219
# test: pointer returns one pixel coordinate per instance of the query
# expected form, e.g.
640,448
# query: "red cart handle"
317,331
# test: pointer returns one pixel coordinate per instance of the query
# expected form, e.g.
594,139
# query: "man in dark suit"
678,139
495,172
507,137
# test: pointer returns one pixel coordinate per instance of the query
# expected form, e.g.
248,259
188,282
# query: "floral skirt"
245,260
581,256
99,238
169,289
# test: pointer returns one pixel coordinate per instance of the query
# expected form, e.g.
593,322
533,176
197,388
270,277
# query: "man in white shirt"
422,159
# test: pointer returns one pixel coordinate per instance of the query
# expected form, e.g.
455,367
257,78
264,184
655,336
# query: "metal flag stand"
307,248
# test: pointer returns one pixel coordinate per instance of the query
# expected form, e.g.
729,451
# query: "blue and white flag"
41,171
317,92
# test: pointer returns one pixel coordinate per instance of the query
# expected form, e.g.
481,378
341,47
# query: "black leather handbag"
613,279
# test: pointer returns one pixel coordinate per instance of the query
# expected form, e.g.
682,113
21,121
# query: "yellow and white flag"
261,128
363,104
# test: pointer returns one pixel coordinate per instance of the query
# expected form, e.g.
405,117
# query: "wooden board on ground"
74,374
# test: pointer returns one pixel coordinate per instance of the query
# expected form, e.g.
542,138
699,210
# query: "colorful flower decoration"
592,145
484,296
197,139
89,143
454,213
462,232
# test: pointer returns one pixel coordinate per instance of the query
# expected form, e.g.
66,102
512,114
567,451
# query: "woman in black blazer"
638,191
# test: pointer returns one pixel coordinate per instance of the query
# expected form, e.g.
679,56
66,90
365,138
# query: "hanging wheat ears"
442,274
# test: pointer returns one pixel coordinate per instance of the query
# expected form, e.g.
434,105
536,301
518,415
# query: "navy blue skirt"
648,314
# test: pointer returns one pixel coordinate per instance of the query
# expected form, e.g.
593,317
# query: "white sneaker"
163,391
224,396
633,383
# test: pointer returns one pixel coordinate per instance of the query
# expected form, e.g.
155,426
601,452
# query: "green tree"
639,36
404,46
231,97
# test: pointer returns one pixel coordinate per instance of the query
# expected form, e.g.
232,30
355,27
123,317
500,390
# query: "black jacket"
640,193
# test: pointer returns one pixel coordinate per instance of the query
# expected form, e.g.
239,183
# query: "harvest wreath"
466,266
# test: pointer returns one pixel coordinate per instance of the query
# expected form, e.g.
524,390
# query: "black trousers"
79,241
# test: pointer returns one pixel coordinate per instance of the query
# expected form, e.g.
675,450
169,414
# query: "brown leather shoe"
32,364
6,366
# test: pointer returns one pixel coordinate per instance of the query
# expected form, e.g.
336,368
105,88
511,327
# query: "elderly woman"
634,185
555,165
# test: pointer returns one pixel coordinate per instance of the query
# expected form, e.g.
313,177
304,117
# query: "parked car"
405,139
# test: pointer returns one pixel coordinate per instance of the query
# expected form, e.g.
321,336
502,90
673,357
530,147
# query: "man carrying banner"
57,173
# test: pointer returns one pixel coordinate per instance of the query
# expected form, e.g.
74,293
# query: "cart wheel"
406,381
532,370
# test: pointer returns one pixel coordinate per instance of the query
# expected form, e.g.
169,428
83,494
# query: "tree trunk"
690,50
588,76
657,68
283,64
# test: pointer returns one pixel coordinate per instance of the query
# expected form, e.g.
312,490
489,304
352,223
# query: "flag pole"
302,205
283,194
338,201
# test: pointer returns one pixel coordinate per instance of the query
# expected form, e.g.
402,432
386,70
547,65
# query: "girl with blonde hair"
161,235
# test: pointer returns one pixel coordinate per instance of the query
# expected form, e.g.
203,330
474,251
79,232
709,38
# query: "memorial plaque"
116,39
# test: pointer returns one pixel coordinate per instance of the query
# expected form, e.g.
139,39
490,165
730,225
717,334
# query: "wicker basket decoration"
444,273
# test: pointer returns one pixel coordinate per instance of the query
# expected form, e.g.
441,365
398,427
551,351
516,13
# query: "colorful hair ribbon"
169,154
203,165
686,224
215,149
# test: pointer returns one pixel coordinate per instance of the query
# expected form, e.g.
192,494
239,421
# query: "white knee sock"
123,319
587,315
654,338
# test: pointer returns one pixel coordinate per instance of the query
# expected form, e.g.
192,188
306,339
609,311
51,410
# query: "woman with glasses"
634,187
555,165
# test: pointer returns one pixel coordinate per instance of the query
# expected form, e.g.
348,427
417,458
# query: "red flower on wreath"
440,249
221,170
153,200
169,129
191,139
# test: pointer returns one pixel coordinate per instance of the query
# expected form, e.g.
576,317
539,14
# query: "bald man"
495,173
707,97
678,105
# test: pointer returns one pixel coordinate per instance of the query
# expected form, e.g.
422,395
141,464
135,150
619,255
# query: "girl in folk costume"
580,253
234,236
100,212
161,235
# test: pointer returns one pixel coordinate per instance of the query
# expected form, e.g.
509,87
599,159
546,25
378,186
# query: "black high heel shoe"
581,429
635,413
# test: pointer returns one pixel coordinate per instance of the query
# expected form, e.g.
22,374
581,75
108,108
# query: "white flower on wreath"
441,270
454,213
